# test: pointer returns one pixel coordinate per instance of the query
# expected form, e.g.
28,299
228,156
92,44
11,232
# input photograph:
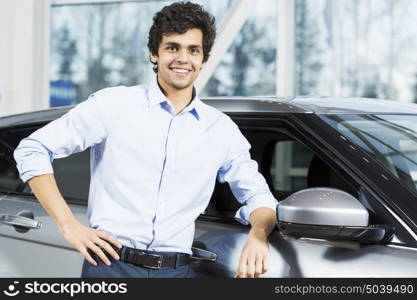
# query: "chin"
180,86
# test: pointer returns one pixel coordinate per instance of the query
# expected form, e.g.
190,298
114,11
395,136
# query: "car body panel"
348,105
288,255
258,105
341,208
39,252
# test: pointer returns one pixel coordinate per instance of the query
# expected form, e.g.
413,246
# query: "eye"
172,48
195,50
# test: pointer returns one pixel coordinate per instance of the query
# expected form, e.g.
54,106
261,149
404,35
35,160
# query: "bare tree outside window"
368,50
100,45
249,66
362,48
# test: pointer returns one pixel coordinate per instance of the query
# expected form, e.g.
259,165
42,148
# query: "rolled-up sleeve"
241,172
81,127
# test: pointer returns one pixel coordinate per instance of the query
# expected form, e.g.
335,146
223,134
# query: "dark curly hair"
180,17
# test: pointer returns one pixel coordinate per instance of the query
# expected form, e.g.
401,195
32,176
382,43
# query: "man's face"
180,59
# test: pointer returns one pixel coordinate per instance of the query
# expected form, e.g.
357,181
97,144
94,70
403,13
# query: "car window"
9,179
287,165
389,139
290,165
9,176
294,167
72,173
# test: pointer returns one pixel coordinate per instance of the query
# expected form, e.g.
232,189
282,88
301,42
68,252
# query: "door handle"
20,221
200,253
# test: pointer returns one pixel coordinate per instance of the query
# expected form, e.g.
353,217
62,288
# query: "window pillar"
285,49
24,72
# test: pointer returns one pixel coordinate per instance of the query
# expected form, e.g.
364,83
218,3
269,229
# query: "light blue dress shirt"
152,171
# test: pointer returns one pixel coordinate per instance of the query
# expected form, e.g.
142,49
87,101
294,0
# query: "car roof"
346,105
257,105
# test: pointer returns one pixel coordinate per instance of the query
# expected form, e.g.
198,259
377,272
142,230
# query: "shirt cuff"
35,167
257,201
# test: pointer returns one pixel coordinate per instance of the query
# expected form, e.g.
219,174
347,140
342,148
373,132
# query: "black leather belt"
151,259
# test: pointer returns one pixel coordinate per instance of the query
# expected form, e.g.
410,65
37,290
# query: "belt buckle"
159,261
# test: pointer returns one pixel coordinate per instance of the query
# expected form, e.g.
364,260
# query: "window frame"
24,187
269,125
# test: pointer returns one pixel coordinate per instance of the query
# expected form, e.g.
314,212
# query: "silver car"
343,170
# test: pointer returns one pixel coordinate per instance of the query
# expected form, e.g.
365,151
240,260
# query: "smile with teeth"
176,70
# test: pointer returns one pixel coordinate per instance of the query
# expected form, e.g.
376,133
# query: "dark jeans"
120,269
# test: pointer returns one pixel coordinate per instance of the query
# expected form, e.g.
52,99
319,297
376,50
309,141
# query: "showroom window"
355,48
359,48
249,66
94,46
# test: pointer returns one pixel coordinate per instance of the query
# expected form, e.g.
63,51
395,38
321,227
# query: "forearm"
81,237
254,258
263,221
46,191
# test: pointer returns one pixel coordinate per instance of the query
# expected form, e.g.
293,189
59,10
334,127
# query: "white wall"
24,49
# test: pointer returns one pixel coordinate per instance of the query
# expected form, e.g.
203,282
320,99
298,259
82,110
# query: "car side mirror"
328,213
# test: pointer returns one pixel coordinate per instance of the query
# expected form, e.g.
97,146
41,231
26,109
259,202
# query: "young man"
156,151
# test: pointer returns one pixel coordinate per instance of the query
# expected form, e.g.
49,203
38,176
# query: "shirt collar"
156,96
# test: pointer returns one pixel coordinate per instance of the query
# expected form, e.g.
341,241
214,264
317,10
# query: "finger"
241,271
87,256
105,236
242,268
99,253
265,264
106,246
258,266
251,267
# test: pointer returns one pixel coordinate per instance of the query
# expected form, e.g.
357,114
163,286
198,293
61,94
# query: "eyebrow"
173,44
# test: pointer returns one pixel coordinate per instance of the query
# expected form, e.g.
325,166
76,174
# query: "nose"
182,56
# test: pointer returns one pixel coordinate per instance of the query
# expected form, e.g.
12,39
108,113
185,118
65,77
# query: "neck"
179,98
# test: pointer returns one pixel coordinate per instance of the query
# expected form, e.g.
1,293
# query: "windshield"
390,139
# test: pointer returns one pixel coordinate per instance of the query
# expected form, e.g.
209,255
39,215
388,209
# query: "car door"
37,252
337,163
292,160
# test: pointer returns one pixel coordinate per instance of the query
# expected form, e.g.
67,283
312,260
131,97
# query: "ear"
153,58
